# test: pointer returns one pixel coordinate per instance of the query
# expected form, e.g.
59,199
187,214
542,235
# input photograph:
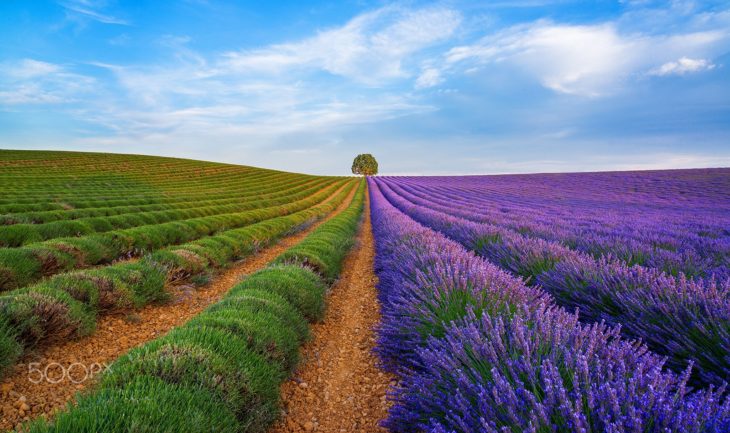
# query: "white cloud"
256,120
370,51
261,94
683,66
29,68
298,138
588,60
277,105
430,77
370,48
30,81
28,94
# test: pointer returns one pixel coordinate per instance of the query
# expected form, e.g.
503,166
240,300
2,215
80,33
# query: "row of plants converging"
690,239
141,193
272,191
22,234
67,305
675,247
222,370
686,320
112,184
477,350
60,207
25,265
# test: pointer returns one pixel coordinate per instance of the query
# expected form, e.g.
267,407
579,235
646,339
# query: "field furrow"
338,385
243,195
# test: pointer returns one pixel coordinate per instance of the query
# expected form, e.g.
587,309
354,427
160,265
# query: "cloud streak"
89,9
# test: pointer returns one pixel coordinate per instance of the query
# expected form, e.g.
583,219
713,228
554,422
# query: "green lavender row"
114,194
67,306
222,370
26,265
17,235
114,189
247,194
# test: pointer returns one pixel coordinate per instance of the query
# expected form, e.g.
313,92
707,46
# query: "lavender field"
371,216
595,302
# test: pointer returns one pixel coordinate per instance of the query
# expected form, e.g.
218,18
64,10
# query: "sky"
449,87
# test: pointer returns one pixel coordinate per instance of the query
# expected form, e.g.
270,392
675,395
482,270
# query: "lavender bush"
541,371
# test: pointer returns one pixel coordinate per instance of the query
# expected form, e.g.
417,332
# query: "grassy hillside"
45,180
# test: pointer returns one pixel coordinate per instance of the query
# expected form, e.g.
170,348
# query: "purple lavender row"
704,204
669,228
700,190
663,240
709,218
478,351
655,239
686,320
672,262
693,256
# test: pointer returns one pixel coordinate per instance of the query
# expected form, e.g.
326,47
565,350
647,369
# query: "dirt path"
338,387
45,380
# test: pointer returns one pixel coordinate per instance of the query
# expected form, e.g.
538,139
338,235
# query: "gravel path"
62,370
338,386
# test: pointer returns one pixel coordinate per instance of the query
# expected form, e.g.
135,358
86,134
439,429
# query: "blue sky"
449,87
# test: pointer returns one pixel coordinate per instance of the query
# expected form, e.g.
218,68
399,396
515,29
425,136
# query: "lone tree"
365,164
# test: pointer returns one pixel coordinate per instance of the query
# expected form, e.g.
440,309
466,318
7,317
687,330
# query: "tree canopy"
365,164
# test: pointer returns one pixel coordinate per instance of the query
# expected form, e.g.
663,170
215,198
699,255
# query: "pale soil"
21,399
338,386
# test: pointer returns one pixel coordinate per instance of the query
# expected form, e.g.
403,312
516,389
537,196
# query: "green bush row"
222,370
147,179
59,201
112,187
25,265
22,234
190,259
249,194
324,249
130,173
67,305
115,194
